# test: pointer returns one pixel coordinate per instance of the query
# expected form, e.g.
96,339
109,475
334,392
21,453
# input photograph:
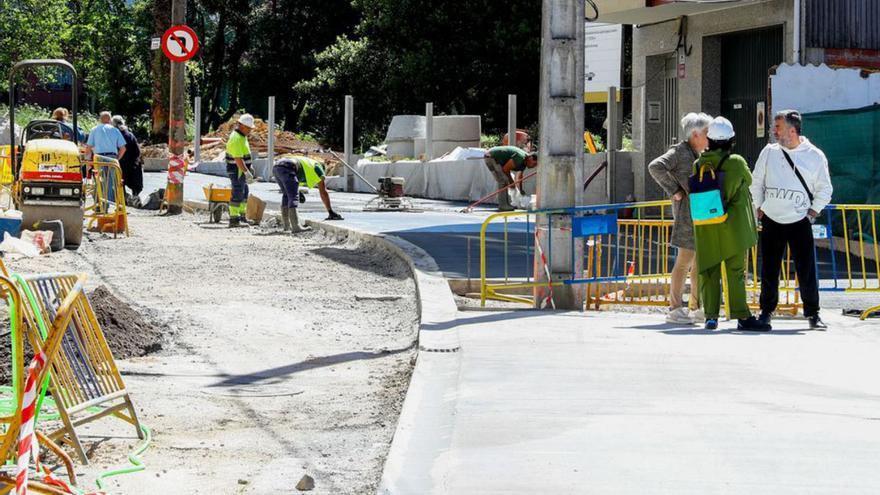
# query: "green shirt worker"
727,242
238,168
501,161
311,174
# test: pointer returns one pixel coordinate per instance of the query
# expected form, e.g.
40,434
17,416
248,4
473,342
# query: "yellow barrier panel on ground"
50,346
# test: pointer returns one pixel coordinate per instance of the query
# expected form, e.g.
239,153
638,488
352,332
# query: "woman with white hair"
671,171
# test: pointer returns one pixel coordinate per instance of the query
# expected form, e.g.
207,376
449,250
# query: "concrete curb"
423,438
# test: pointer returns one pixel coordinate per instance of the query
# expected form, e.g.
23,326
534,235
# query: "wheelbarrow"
218,201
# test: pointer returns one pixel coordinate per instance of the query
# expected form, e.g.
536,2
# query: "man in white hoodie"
790,188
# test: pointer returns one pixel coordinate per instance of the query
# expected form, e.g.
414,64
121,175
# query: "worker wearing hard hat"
502,161
238,168
731,234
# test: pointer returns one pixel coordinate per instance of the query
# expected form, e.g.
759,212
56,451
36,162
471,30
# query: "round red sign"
180,43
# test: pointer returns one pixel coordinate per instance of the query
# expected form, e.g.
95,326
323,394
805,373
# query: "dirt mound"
127,332
286,142
155,151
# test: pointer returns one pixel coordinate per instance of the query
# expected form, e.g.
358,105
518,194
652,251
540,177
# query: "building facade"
717,58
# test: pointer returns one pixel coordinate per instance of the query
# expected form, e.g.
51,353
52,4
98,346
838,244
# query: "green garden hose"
137,464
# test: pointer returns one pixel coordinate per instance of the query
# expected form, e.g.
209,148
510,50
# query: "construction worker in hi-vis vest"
238,168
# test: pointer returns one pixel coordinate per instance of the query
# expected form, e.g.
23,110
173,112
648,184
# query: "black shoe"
334,216
235,222
711,323
752,324
302,197
765,319
816,323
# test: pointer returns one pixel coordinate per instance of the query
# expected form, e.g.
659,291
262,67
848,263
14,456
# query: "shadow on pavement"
309,364
486,318
362,259
672,329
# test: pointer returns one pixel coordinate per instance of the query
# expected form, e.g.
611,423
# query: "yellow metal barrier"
107,213
632,266
640,246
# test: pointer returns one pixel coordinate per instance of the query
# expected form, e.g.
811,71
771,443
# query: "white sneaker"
679,316
699,315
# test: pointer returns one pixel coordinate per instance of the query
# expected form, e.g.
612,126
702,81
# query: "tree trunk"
161,70
215,78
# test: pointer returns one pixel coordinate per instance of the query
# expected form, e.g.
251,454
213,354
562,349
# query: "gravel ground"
284,356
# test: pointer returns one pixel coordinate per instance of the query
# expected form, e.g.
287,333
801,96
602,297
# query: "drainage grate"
428,349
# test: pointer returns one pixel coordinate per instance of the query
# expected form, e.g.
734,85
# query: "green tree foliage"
100,38
392,55
465,56
29,29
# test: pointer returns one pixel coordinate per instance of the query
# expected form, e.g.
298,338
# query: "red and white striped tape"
546,268
176,170
27,445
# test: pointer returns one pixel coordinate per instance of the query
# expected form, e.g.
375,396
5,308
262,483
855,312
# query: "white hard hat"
246,120
721,130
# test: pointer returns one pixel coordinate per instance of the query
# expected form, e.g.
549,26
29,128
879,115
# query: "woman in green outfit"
726,242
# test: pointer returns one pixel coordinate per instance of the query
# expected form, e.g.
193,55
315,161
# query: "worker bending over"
501,161
311,174
238,168
286,172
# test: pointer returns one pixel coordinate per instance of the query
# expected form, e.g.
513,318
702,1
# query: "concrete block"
155,164
406,128
263,169
212,168
457,128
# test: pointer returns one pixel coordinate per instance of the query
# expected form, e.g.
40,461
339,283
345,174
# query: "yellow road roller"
47,165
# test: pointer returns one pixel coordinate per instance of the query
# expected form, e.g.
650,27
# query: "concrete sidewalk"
567,403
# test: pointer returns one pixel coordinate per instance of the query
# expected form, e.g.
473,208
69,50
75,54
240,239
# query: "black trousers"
132,176
798,237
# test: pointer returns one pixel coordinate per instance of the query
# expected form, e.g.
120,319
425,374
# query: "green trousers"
710,288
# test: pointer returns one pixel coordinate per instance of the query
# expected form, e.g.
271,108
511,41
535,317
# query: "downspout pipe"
796,35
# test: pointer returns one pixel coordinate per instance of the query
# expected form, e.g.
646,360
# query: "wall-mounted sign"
761,120
654,112
604,52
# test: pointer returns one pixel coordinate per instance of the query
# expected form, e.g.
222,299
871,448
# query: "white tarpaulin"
819,88
455,180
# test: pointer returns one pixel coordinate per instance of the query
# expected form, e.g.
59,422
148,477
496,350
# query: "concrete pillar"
270,156
613,144
511,120
197,139
429,132
560,169
349,141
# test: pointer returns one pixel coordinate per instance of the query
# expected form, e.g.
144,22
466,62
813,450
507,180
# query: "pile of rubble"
213,145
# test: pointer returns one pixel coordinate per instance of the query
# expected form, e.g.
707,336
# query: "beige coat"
672,170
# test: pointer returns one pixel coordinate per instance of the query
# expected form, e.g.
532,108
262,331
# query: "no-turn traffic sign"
180,43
